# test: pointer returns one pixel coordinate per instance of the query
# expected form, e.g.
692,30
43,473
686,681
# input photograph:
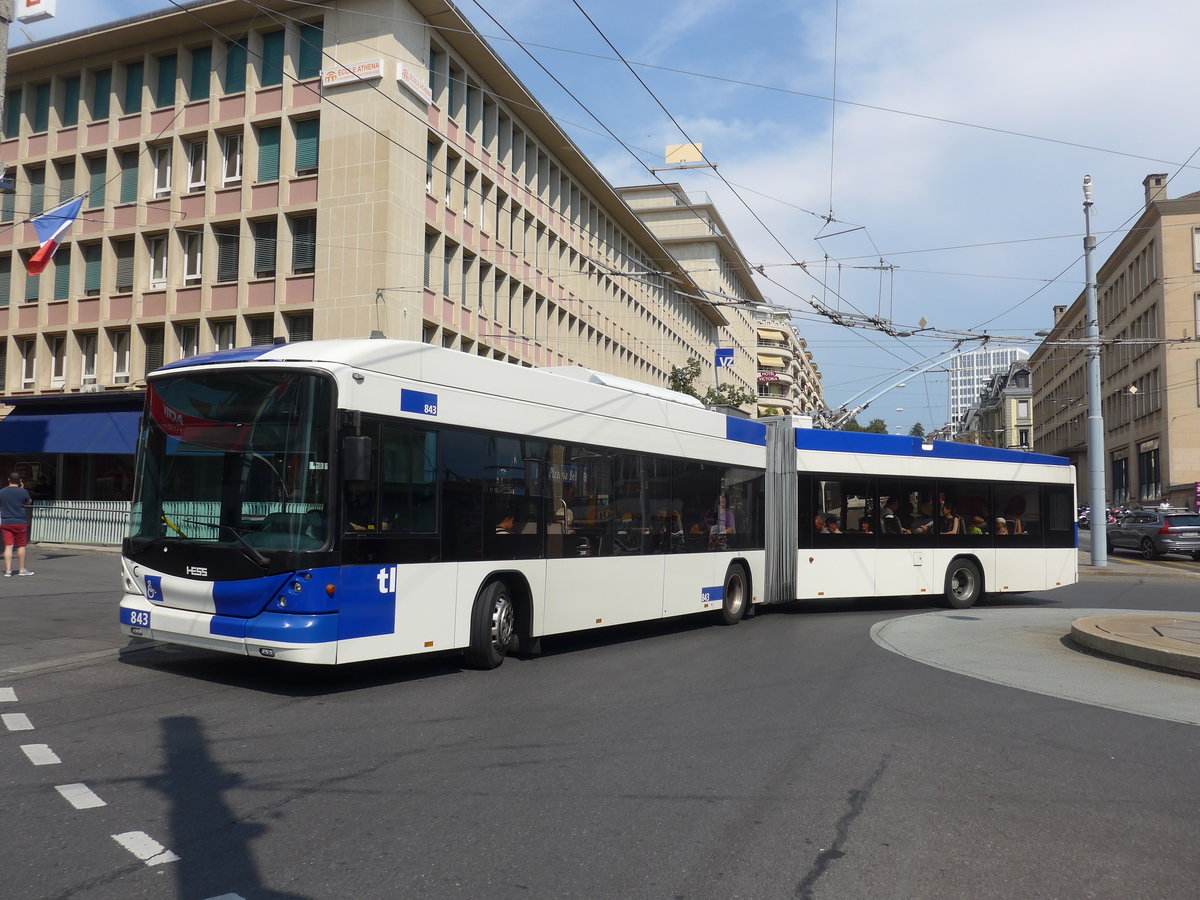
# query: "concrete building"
288,170
1004,413
1148,293
969,374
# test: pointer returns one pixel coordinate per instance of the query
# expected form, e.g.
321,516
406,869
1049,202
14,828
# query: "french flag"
50,227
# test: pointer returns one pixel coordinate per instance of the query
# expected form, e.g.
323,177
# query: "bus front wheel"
493,623
964,584
733,603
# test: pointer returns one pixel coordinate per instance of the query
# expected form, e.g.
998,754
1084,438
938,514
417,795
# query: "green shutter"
62,272
164,92
312,38
32,287
5,279
235,66
304,243
101,94
268,153
41,107
228,240
134,75
154,347
70,110
129,176
12,113
96,182
201,73
124,251
8,204
264,248
308,141
91,269
272,59
66,182
37,191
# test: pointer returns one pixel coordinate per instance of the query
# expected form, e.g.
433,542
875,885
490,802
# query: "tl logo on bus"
387,578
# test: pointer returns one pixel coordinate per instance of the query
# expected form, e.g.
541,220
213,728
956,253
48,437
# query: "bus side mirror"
356,457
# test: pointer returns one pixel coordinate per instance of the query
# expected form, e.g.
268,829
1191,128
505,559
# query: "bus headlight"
129,576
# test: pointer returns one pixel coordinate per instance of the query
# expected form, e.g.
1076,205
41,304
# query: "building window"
69,115
91,269
1120,479
231,151
235,66
12,113
96,181
189,339
272,59
28,347
264,248
268,153
129,176
162,170
41,108
193,257
1196,249
120,349
62,272
262,330
1023,437
87,357
123,250
199,84
431,239
312,39
304,244
157,246
37,190
164,88
58,359
228,239
101,94
134,74
33,285
66,180
299,327
197,164
154,338
5,282
308,143
1149,483
1022,409
224,334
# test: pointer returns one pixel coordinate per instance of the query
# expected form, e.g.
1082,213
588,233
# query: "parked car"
1153,532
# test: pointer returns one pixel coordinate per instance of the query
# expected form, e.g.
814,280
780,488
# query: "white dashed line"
8,695
145,848
17,722
41,754
79,796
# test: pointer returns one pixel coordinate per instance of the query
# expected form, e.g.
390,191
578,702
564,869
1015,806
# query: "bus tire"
964,584
735,596
493,623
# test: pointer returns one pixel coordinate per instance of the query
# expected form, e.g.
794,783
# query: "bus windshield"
237,459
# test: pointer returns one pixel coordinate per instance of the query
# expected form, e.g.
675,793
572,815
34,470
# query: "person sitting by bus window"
864,525
819,523
360,511
951,524
923,521
1001,526
833,525
506,524
891,521
1013,511
977,525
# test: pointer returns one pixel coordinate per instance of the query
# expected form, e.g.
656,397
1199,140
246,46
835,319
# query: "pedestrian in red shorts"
14,523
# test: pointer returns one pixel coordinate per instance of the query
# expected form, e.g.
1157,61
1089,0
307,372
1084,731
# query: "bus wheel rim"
502,622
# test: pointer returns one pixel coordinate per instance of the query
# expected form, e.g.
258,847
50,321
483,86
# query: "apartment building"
285,171
1148,293
1004,412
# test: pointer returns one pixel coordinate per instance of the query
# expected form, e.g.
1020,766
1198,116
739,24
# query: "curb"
1136,638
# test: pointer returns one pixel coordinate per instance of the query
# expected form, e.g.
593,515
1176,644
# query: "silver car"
1154,532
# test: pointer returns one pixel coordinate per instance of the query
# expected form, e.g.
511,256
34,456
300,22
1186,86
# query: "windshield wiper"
248,550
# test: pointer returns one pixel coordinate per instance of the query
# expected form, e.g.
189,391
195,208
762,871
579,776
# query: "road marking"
79,796
145,848
8,695
17,722
41,754
228,897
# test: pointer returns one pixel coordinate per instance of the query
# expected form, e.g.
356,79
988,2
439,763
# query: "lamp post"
1095,420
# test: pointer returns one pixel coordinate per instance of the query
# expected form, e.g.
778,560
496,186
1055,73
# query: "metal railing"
99,522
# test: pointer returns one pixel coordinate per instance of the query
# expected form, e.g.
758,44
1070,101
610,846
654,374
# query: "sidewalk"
1167,642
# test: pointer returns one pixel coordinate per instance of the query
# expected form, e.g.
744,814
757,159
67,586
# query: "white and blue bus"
337,501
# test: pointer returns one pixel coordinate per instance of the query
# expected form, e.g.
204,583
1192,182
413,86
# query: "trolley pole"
1095,420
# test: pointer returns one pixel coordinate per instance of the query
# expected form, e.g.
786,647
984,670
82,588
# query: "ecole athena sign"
368,70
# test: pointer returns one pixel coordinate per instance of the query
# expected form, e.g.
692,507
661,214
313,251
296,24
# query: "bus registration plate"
138,618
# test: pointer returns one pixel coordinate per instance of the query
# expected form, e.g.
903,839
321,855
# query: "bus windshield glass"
237,459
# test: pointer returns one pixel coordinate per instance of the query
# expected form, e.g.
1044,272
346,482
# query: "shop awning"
770,334
771,361
91,431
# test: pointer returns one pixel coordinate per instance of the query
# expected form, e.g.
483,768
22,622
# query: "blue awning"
111,431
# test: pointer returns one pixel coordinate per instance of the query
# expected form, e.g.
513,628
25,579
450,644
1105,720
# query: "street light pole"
1095,420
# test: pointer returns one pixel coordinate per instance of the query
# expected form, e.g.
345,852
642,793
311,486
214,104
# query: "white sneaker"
24,572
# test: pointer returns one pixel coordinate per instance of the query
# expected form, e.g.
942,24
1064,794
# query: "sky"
951,161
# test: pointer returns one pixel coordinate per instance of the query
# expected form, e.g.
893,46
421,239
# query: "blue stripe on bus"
242,354
901,445
248,597
283,628
367,601
747,431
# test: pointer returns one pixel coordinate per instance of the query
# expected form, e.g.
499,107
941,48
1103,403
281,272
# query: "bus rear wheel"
964,584
493,623
733,604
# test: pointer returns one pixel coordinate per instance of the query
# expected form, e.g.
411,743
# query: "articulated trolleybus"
336,501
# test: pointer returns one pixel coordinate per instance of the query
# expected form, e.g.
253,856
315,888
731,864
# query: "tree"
683,380
917,430
877,426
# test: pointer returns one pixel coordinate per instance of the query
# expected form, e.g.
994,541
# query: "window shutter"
66,182
8,205
101,94
96,181
272,59
164,94
198,88
268,153
70,111
300,327
124,253
262,330
227,253
134,74
12,114
264,249
304,243
312,38
5,279
235,66
32,287
91,269
41,107
154,347
62,272
308,140
37,191
129,176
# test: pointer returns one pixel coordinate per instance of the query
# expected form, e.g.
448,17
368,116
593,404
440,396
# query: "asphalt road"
793,755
